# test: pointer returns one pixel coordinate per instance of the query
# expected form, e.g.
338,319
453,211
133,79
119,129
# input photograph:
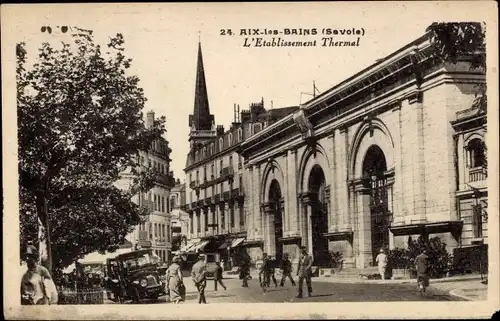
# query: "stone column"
341,171
268,228
250,194
293,212
364,225
258,212
461,157
307,202
333,211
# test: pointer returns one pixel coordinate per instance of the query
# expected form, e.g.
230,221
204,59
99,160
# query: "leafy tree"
80,124
456,40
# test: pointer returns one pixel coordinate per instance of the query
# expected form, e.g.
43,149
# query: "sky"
163,40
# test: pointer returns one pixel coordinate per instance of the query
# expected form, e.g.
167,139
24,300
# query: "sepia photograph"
315,155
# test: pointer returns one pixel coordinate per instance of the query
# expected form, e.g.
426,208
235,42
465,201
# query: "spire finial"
199,36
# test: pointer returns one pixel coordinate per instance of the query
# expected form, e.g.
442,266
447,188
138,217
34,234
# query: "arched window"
230,139
476,153
204,151
212,147
221,143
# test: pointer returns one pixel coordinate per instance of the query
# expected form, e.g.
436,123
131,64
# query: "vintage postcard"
250,160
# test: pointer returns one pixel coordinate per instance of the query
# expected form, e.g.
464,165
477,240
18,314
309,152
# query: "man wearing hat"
381,261
198,273
304,271
422,267
37,287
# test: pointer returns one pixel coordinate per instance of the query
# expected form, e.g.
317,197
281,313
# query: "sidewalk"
467,287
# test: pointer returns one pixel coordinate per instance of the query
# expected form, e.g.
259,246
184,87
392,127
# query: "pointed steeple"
201,117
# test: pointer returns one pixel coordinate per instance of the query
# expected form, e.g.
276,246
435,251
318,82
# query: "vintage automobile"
134,276
90,275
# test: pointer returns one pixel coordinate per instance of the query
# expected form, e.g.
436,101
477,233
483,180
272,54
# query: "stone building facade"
215,193
368,163
155,231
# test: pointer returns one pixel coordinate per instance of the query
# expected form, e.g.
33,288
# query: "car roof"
133,254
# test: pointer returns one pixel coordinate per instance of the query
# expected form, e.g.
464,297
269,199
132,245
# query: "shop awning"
429,228
200,246
189,245
226,244
237,242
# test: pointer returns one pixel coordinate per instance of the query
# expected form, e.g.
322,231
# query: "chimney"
220,130
150,119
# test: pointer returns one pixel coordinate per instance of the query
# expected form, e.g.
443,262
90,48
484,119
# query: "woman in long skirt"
174,280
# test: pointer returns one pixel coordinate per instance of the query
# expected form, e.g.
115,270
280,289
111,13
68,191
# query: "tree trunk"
42,211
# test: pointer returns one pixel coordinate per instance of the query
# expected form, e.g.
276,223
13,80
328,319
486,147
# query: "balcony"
194,184
227,172
165,179
149,205
477,174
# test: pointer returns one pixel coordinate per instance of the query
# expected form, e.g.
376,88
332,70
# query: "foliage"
455,40
335,259
439,258
398,258
80,124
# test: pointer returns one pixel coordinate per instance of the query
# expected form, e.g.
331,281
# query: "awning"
429,228
226,244
237,242
97,258
189,244
200,246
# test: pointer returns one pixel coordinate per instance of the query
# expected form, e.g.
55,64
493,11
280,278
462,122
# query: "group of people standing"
304,272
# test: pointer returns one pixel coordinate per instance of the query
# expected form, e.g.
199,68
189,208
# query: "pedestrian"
286,267
381,261
304,271
245,272
37,286
270,274
174,281
422,267
218,276
198,273
264,272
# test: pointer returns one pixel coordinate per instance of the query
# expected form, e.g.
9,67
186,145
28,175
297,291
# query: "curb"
400,281
454,293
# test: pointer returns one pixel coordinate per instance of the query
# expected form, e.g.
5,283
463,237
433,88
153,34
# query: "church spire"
201,117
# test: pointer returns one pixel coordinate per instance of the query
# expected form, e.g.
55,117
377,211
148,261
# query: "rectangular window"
198,220
213,172
156,231
150,228
221,165
163,204
168,233
231,160
156,202
206,221
191,224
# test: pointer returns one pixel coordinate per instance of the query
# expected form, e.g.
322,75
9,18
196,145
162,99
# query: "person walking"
264,272
270,272
37,286
218,276
198,273
174,281
245,273
304,271
422,267
381,261
286,267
